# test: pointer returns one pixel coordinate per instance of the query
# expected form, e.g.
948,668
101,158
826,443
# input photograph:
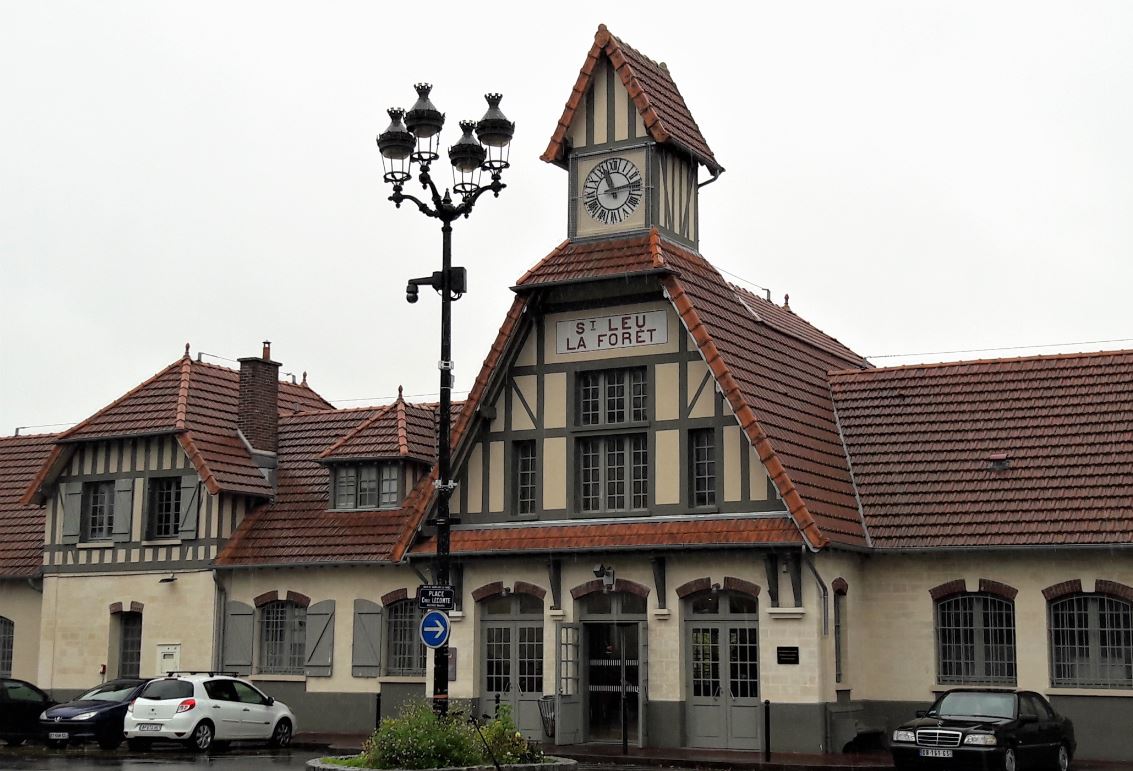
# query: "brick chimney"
259,400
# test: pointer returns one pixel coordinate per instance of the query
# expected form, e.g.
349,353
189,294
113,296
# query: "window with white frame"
164,507
612,469
283,638
98,511
525,477
406,652
702,452
366,486
7,642
1091,642
975,640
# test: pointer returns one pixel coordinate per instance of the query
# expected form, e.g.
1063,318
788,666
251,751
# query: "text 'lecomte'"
607,333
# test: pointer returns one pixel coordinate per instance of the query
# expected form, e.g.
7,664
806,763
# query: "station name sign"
608,333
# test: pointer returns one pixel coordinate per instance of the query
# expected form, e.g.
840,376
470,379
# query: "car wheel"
138,745
1010,763
1063,761
281,736
200,740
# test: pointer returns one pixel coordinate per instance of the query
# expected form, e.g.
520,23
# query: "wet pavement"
251,759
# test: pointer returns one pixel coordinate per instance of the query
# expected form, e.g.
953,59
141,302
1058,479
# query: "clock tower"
632,148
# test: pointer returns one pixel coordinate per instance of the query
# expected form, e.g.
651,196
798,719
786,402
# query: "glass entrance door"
512,656
613,682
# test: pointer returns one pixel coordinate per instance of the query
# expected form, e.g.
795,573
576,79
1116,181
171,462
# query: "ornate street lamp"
413,140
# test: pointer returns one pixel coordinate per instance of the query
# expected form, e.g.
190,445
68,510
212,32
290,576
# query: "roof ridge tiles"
357,430
1042,357
183,391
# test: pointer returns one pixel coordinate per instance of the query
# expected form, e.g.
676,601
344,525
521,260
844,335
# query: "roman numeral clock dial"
612,191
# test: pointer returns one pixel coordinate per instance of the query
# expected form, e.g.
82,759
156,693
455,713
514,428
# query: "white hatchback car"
202,709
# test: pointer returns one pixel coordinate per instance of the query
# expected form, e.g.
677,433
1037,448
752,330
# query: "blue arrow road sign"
434,629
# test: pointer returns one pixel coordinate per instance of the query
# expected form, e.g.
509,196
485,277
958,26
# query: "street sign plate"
436,597
434,629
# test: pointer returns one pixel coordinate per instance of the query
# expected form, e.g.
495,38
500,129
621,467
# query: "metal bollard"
766,730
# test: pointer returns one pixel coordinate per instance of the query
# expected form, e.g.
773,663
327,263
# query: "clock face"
612,191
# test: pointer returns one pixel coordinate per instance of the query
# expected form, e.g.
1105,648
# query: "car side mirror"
921,712
270,700
1028,718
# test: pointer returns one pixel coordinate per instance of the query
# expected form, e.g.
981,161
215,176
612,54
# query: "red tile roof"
399,430
662,108
199,403
297,528
923,439
21,527
771,366
607,536
589,260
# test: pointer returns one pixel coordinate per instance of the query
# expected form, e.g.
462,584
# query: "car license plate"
157,727
58,736
936,753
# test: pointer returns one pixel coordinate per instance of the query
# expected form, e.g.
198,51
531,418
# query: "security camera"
599,571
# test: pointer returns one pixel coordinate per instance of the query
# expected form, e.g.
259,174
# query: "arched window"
283,637
975,639
7,641
406,651
1091,642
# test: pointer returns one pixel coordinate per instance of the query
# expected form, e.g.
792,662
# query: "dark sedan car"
97,714
985,729
20,705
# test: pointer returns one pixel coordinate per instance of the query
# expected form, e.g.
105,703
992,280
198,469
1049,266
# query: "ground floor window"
283,630
7,642
1091,642
406,651
975,636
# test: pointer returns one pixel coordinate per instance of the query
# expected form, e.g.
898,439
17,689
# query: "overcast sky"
920,177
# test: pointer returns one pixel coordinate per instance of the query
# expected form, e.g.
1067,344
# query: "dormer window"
366,486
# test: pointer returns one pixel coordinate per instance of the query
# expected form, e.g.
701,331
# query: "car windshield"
113,691
975,704
167,689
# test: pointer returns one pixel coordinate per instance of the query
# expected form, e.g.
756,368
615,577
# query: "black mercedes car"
985,729
97,714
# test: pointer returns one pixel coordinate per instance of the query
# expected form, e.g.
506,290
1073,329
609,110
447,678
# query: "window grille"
165,507
975,640
130,644
345,487
525,477
406,651
98,511
609,467
7,642
367,487
1091,642
531,659
703,446
283,638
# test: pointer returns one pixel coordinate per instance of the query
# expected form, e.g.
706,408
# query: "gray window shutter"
123,509
320,639
366,656
238,635
190,503
71,494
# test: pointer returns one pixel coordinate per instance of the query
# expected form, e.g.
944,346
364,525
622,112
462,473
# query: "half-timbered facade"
678,503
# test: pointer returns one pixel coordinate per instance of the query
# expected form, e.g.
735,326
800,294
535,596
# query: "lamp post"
413,138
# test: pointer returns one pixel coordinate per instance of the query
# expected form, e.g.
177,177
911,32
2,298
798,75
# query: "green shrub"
417,738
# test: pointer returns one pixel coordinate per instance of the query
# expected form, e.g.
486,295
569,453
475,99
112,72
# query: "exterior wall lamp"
411,140
606,573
